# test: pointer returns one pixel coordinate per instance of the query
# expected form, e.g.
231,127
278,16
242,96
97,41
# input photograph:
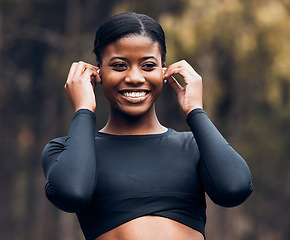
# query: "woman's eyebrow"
121,58
125,59
149,57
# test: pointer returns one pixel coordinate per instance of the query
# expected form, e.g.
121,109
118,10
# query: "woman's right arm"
69,165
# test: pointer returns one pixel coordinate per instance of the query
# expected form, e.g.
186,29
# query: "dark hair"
125,24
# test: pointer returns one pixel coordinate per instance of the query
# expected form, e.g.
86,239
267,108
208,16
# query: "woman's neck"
122,124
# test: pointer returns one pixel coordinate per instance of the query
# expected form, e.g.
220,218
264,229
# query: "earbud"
163,70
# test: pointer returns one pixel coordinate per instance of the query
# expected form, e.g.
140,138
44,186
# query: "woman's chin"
134,111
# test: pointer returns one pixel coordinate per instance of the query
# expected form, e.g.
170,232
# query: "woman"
135,178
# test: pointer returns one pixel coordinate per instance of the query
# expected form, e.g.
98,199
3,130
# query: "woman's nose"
134,76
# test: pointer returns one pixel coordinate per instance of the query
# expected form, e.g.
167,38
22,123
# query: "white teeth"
134,94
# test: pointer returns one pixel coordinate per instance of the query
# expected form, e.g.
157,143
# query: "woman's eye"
119,66
148,66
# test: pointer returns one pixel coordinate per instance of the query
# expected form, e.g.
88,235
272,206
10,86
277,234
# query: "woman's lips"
135,96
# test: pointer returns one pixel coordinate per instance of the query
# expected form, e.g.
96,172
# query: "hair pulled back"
126,24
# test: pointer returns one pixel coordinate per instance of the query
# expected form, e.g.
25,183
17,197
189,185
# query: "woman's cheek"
110,79
161,80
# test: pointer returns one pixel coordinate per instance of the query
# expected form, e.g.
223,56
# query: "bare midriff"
151,228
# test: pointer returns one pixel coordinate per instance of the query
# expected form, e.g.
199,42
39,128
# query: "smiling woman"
132,79
135,178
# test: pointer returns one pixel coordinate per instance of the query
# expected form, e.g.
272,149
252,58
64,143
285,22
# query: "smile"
134,94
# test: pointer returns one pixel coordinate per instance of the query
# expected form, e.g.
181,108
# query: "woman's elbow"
68,200
233,194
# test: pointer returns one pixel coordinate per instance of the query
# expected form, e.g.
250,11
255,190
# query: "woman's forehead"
133,45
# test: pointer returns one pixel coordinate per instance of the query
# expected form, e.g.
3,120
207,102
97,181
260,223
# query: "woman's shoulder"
182,138
54,145
59,141
185,135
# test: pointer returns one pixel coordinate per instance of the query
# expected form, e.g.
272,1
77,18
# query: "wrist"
189,110
192,114
77,108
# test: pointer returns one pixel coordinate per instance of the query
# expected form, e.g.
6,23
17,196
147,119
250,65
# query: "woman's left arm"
225,174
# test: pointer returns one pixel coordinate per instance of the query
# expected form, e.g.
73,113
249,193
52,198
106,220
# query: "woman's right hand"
80,85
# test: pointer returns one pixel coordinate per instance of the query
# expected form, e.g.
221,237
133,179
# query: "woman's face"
132,75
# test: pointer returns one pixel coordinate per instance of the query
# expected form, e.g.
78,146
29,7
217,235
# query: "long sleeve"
225,174
69,165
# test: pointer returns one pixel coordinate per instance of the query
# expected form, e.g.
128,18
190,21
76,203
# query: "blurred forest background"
241,49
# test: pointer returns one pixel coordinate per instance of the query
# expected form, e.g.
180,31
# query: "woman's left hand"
189,96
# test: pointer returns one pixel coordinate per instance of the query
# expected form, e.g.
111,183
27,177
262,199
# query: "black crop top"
109,180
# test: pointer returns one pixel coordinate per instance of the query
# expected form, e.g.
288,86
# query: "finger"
93,80
71,71
188,74
178,71
80,68
181,63
95,68
174,84
88,73
95,73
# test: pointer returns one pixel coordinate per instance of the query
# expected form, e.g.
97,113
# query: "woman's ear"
99,79
163,71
